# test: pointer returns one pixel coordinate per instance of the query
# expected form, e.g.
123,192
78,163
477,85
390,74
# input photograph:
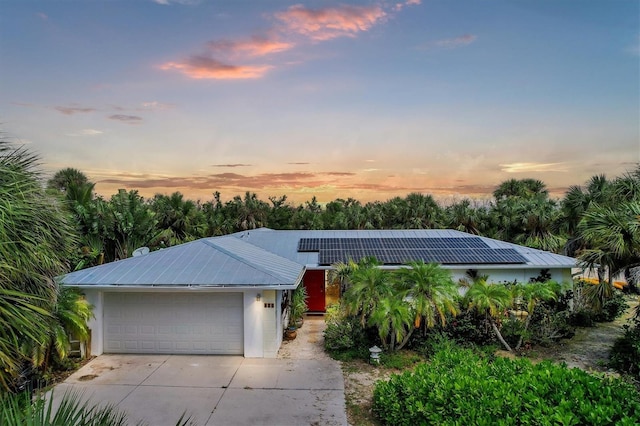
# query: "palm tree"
393,319
130,223
369,286
520,188
67,178
465,217
432,292
529,295
36,239
491,300
68,319
613,233
341,272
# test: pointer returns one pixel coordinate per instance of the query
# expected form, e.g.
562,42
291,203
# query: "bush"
612,308
550,323
625,353
469,327
344,336
461,387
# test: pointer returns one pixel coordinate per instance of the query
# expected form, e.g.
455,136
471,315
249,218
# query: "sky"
361,99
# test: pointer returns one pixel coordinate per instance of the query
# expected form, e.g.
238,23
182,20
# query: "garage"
173,323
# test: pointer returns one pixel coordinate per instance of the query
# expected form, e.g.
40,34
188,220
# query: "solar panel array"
395,251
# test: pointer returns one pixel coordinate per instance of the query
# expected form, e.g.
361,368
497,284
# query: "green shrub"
462,387
469,327
625,353
612,308
550,323
344,336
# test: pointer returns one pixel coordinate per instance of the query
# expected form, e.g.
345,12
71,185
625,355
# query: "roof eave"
159,287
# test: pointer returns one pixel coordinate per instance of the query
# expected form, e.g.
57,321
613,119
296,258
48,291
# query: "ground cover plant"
462,387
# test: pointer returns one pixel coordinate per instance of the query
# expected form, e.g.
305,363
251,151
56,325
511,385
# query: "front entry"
314,283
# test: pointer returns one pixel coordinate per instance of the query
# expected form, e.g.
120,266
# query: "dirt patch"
359,381
87,377
309,341
589,348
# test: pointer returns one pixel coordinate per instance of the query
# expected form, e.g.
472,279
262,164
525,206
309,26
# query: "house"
228,295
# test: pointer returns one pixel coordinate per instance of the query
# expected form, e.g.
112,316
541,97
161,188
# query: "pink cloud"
254,46
463,40
202,67
331,22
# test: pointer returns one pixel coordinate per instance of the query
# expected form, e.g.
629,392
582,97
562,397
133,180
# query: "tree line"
596,222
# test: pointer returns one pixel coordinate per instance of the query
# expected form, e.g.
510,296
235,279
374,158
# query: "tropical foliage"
460,386
36,239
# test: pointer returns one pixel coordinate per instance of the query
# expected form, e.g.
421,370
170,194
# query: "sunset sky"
363,99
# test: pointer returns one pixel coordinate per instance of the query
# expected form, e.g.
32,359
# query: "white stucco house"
228,295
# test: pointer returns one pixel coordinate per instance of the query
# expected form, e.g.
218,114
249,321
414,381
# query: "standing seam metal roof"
214,262
263,257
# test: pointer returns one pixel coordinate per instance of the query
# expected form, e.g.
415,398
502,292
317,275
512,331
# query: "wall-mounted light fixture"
258,297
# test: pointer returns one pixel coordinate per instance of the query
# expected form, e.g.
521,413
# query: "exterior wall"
253,327
95,324
270,329
520,275
279,318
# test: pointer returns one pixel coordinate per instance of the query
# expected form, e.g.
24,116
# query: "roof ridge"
241,259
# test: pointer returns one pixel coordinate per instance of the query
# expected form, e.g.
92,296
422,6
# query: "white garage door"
173,323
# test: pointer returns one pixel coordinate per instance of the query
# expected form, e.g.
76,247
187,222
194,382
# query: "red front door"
314,283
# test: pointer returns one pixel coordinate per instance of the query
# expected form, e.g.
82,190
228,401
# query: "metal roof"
265,258
285,244
208,262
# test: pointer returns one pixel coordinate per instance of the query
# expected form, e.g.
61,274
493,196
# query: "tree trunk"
406,339
499,336
526,327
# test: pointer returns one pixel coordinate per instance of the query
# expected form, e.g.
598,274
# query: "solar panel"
392,251
309,244
510,256
475,243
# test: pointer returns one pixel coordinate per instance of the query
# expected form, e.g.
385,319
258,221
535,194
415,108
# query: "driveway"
214,390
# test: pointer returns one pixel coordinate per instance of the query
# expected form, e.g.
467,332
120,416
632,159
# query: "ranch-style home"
228,294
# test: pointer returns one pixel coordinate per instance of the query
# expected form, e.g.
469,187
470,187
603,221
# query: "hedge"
461,387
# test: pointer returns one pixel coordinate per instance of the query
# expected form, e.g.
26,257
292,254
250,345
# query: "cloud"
219,180
43,16
299,164
202,67
254,46
533,167
399,6
182,2
226,59
232,165
86,132
452,43
340,173
154,105
130,119
70,110
91,132
331,22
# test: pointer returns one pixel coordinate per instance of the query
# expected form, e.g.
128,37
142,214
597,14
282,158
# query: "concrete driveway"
214,390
